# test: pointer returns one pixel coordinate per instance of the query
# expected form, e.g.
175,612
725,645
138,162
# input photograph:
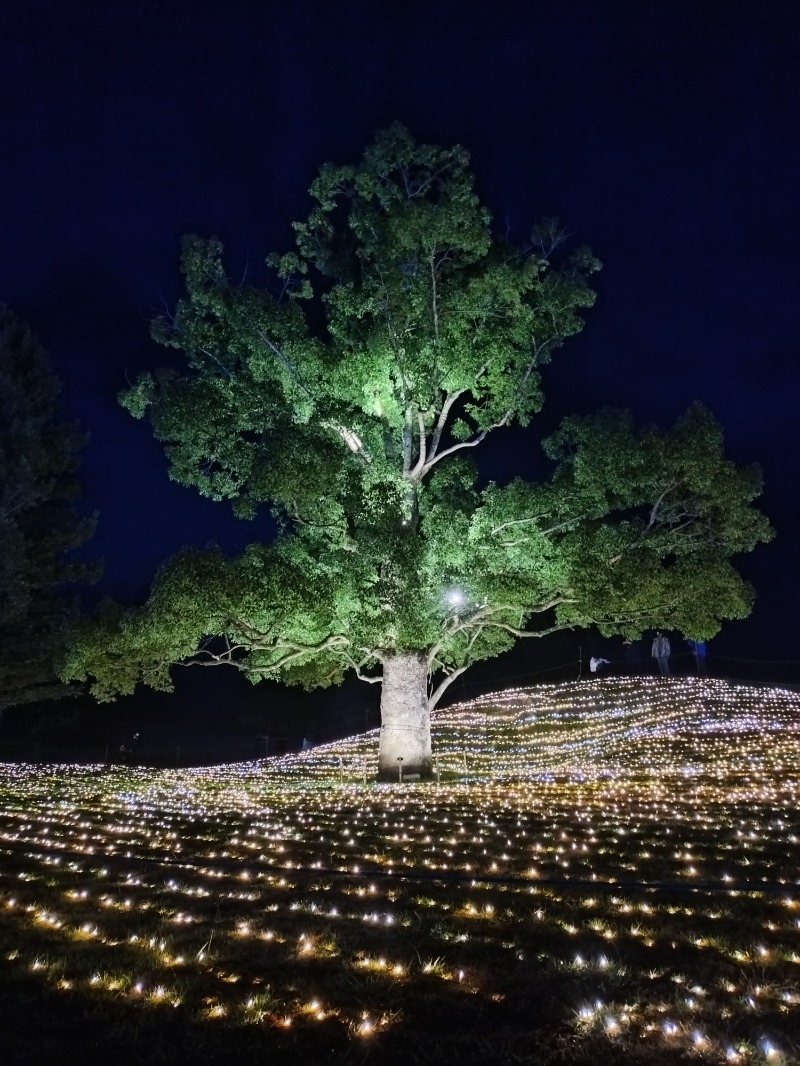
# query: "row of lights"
138,861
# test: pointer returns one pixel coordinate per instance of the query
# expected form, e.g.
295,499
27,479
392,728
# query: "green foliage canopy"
349,397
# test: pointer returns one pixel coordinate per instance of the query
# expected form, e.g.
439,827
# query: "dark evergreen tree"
39,524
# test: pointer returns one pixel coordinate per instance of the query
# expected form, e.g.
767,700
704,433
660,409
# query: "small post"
436,772
400,768
341,769
464,757
580,661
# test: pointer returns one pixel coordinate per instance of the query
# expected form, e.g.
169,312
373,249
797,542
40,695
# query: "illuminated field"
606,872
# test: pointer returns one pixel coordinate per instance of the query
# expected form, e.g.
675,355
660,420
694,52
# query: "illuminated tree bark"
405,745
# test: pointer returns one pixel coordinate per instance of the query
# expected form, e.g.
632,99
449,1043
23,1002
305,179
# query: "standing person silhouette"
699,651
661,652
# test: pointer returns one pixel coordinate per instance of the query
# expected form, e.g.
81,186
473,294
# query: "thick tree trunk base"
405,747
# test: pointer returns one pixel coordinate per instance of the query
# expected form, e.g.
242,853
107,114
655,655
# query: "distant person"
595,663
661,652
632,655
698,649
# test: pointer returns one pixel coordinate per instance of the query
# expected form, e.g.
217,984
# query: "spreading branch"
477,439
447,406
445,683
420,463
651,521
293,650
357,666
537,518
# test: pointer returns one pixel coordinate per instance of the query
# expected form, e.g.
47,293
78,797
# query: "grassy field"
605,872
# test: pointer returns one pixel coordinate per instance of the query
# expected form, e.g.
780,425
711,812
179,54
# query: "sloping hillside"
613,878
629,726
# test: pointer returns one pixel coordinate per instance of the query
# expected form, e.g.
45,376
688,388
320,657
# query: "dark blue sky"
664,134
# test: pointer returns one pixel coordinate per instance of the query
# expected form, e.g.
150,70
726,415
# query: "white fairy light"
585,780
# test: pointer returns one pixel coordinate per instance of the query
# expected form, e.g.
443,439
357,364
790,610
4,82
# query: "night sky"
664,134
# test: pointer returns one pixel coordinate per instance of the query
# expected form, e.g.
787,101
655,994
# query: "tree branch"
659,501
557,628
352,440
434,304
286,362
444,684
343,529
650,523
407,442
423,442
357,667
294,649
513,522
450,399
433,460
217,360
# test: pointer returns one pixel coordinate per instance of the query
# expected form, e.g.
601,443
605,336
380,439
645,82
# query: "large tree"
39,524
350,398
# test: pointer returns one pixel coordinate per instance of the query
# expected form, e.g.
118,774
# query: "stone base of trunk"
405,718
423,769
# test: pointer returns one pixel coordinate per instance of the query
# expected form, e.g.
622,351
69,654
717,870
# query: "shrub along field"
604,872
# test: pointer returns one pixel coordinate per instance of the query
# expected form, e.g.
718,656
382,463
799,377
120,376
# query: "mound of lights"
626,847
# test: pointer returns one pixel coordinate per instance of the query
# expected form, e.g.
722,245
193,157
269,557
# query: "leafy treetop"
357,426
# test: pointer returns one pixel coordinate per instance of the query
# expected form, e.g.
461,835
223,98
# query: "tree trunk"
405,717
